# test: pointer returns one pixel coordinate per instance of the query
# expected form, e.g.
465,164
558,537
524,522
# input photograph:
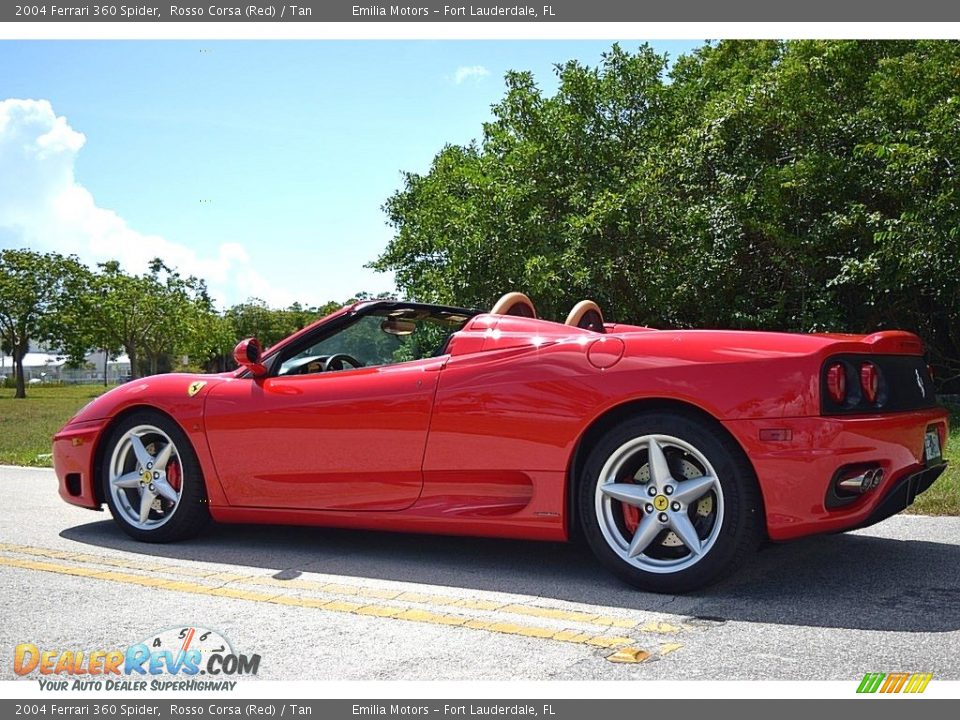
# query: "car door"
347,440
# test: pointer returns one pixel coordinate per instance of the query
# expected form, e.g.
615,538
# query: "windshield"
383,336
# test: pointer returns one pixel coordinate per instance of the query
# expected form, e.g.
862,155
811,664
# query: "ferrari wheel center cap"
660,502
145,476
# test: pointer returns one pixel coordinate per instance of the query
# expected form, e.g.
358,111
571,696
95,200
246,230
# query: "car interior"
383,336
409,332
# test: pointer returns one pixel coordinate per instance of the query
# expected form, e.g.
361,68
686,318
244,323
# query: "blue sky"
260,165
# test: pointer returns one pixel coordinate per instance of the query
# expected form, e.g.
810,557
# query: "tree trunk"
18,353
134,369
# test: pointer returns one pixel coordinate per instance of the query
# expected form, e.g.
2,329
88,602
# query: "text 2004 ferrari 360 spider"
674,452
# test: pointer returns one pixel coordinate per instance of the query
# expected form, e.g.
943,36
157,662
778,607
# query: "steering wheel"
336,361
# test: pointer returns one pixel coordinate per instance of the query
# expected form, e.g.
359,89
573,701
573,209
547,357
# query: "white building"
47,367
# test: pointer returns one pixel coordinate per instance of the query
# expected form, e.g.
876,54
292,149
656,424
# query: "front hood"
175,393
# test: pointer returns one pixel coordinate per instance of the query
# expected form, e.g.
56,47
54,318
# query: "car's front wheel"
669,503
152,479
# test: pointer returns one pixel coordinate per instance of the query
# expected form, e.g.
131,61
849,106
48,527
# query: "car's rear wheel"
152,479
669,503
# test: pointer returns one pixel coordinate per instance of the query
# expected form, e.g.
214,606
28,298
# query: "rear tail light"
870,381
854,383
837,383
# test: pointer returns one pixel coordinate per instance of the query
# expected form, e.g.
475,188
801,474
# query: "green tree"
254,318
154,317
211,343
37,301
122,310
799,185
187,318
547,202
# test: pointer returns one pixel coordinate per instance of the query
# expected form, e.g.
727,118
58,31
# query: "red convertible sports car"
673,453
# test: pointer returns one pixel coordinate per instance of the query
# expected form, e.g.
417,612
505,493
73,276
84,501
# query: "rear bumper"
794,474
74,450
902,495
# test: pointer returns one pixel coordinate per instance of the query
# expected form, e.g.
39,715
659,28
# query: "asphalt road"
344,605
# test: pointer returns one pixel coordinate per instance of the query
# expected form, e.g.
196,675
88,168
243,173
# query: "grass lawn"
26,427
943,498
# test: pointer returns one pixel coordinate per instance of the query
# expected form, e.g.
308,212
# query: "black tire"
167,521
734,499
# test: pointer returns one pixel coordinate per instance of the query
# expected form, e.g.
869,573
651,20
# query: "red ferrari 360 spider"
674,453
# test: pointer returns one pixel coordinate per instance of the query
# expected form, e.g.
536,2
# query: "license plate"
931,447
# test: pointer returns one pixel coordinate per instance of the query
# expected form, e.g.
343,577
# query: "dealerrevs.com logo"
182,658
894,682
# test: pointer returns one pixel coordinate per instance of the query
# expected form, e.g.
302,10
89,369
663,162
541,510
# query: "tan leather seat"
514,303
586,314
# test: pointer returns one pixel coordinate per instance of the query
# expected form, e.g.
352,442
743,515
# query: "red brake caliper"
631,517
173,474
631,513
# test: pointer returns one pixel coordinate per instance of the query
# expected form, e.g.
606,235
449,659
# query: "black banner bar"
460,11
154,709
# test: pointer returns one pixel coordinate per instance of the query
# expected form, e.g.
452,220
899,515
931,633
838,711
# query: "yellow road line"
629,655
360,591
388,611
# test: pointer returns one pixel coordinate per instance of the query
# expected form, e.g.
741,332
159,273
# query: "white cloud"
466,72
42,206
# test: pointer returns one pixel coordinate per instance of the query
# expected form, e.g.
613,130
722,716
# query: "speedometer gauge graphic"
180,640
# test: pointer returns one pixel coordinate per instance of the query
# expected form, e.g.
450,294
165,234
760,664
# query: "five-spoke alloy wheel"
668,502
152,480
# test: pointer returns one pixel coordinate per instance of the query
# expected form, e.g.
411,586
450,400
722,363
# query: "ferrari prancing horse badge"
195,387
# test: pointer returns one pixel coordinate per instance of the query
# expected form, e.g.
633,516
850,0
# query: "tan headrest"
586,314
514,303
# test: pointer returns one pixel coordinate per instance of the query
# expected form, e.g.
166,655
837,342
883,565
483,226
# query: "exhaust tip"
863,481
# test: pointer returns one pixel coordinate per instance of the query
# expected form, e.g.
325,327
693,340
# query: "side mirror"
247,354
